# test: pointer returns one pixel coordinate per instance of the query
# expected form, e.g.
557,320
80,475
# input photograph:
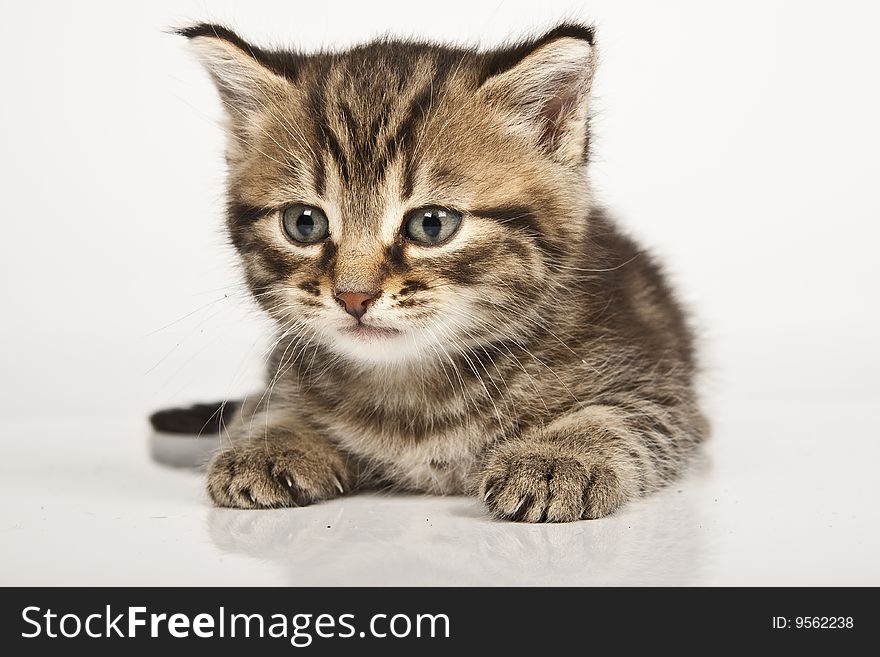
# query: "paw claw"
251,476
533,484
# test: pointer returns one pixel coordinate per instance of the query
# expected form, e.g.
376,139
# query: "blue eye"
431,225
304,223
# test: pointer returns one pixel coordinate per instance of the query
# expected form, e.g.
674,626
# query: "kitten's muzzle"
356,303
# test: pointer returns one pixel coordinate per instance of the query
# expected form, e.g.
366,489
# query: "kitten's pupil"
305,224
432,225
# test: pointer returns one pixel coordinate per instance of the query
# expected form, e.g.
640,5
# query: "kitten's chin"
374,345
370,333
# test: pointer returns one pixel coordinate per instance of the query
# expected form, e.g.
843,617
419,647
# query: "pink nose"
355,303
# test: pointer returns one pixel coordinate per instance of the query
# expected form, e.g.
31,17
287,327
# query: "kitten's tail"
197,419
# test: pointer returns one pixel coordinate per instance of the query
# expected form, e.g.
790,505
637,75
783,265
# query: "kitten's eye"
303,223
431,225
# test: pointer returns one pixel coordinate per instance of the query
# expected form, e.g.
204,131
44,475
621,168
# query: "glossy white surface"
786,495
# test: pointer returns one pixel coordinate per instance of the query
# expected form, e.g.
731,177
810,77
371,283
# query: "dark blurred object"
188,437
197,419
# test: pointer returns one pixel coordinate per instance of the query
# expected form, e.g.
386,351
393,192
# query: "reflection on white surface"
181,451
384,540
789,497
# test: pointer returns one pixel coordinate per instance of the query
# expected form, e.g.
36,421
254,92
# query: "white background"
738,140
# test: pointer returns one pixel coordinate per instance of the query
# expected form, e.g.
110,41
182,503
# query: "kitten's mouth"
368,332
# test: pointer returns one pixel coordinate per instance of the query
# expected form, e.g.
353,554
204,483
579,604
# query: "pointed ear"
543,87
246,76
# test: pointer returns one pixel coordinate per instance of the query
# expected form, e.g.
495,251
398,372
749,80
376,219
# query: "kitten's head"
399,200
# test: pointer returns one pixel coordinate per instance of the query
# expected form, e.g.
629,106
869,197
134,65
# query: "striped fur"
540,360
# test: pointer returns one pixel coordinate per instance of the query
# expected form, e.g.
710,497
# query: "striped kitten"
454,313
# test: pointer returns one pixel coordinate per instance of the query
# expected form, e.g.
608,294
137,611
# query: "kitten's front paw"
260,477
532,484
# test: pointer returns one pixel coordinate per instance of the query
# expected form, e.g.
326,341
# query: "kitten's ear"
543,88
243,74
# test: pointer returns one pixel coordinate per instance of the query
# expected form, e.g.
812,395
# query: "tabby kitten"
454,313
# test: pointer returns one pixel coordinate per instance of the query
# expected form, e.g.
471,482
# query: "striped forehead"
368,121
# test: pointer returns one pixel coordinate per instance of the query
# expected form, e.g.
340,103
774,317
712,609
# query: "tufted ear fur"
246,76
543,89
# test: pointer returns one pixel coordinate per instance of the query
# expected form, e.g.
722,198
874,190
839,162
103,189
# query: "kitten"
454,313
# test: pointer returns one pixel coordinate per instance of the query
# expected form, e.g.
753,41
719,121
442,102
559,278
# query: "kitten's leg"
278,469
586,464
